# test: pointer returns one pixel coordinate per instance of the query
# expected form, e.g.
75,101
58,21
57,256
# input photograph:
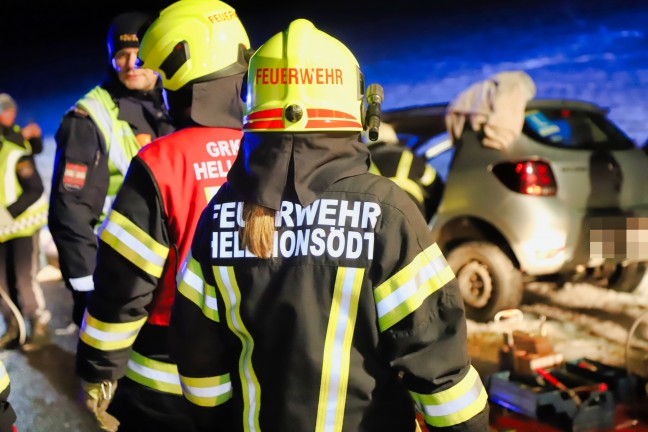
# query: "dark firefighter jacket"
412,173
143,240
354,321
84,173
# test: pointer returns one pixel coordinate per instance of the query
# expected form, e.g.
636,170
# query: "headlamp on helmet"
303,80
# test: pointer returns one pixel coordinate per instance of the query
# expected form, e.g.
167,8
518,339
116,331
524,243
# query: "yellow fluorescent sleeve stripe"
404,292
109,336
231,294
404,274
192,285
208,391
454,405
134,244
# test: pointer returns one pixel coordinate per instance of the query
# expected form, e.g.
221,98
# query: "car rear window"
574,129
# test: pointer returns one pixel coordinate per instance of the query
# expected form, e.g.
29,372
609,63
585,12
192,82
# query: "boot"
9,340
39,336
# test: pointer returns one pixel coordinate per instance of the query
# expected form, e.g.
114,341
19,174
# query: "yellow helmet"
303,80
193,41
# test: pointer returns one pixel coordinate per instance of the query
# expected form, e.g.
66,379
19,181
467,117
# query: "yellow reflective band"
109,336
455,405
210,191
207,392
231,294
4,378
404,292
192,285
401,178
409,186
404,165
134,244
428,175
337,350
154,374
373,169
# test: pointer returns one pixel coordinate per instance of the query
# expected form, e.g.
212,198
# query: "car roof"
429,119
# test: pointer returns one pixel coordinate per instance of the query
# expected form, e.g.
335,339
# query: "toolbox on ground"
581,405
625,387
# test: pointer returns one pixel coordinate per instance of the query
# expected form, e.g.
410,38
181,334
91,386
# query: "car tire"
488,280
626,278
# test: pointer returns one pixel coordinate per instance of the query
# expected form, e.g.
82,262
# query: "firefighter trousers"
142,409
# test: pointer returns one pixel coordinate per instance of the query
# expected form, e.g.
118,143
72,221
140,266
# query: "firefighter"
23,212
95,142
313,297
411,172
200,48
7,414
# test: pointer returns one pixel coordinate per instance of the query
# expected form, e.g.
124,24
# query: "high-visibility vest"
35,216
121,143
17,130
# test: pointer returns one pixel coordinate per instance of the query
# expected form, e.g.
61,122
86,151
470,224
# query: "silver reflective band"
154,374
134,244
82,284
107,336
205,392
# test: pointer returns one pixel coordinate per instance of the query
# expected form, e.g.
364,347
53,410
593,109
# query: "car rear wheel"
488,280
626,278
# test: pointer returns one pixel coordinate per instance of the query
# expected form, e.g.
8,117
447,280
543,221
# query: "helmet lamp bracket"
174,61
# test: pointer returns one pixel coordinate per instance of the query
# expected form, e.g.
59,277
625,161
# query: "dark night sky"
39,37
53,51
80,21
38,24
56,47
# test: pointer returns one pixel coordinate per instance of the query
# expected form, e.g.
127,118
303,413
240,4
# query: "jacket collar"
271,165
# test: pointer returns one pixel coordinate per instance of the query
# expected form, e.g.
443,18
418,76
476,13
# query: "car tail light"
530,177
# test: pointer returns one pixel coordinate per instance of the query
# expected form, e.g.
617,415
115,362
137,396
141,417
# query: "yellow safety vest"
121,143
35,216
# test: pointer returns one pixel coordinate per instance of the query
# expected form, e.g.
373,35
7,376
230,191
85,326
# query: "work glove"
96,398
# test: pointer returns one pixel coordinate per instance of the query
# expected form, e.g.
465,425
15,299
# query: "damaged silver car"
565,200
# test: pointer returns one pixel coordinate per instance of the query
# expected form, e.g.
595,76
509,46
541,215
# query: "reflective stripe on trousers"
154,374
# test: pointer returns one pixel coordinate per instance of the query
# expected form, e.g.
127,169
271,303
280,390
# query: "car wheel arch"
465,229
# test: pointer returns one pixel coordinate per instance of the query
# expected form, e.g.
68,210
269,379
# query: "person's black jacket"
77,199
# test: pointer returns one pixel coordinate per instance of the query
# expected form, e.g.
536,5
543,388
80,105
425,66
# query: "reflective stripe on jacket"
121,143
142,242
353,323
35,216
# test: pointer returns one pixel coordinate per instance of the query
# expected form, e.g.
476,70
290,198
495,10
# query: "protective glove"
96,398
